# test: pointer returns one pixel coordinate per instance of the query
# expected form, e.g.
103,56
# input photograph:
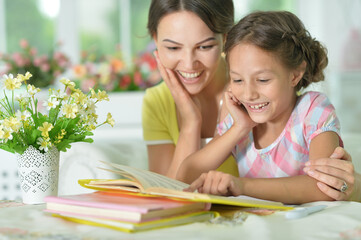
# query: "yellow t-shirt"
160,125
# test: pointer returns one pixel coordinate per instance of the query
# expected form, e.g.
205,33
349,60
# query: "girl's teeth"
189,75
258,106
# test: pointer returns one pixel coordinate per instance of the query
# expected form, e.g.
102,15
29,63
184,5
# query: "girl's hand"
188,108
332,173
217,183
238,112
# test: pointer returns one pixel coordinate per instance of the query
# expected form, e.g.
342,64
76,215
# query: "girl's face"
262,84
188,47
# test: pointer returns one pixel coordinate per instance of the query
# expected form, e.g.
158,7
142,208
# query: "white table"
338,221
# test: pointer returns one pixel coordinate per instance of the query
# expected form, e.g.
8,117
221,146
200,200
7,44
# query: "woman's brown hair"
282,33
218,15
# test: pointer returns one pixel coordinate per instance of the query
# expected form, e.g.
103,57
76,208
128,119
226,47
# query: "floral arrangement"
71,116
110,72
44,68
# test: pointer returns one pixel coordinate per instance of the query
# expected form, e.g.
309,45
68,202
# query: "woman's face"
262,84
188,47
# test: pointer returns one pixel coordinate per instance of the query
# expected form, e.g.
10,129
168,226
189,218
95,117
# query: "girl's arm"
289,190
219,149
211,156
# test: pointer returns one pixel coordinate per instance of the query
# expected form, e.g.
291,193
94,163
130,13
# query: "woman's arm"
332,171
166,158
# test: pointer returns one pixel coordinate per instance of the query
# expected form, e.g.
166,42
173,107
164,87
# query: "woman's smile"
189,77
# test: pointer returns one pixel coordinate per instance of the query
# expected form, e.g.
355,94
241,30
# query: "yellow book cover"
135,227
139,181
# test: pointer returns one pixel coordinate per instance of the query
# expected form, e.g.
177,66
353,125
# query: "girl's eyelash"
237,80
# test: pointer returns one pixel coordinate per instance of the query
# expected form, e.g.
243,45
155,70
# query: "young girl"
275,130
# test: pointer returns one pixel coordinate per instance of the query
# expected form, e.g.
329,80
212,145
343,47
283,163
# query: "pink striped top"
286,156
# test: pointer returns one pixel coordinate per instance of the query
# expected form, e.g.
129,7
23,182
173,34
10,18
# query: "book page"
146,178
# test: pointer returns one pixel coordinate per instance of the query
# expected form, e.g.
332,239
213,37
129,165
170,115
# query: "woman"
181,113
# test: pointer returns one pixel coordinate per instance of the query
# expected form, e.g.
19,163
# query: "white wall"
337,24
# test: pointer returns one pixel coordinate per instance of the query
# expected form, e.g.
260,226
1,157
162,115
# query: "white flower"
70,110
43,144
5,134
58,94
22,116
32,90
23,98
10,83
90,107
13,124
51,103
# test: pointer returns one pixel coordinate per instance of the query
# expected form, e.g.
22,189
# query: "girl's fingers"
225,186
197,183
208,183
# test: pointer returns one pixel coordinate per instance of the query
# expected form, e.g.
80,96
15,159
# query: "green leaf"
7,148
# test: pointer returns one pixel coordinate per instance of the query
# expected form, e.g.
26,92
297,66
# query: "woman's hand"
189,109
238,112
217,183
332,173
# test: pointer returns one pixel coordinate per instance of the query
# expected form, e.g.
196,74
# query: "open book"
145,182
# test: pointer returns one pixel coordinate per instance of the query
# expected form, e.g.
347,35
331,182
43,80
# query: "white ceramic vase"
38,174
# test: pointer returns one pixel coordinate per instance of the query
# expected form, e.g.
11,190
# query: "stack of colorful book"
142,200
126,212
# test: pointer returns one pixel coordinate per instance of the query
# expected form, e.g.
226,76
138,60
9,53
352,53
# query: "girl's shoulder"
312,99
313,108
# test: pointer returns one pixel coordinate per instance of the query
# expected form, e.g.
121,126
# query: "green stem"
12,99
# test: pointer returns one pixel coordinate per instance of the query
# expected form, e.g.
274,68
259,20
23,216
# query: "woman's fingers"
333,193
346,166
161,68
341,153
328,174
331,181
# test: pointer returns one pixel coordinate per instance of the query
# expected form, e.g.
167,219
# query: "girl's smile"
257,107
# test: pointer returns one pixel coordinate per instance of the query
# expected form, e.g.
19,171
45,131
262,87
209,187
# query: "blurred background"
105,45
114,32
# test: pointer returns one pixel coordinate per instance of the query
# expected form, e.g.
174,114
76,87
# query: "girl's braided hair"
283,34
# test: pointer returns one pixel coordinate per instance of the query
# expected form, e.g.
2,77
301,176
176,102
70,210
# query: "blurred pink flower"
45,68
18,59
24,43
